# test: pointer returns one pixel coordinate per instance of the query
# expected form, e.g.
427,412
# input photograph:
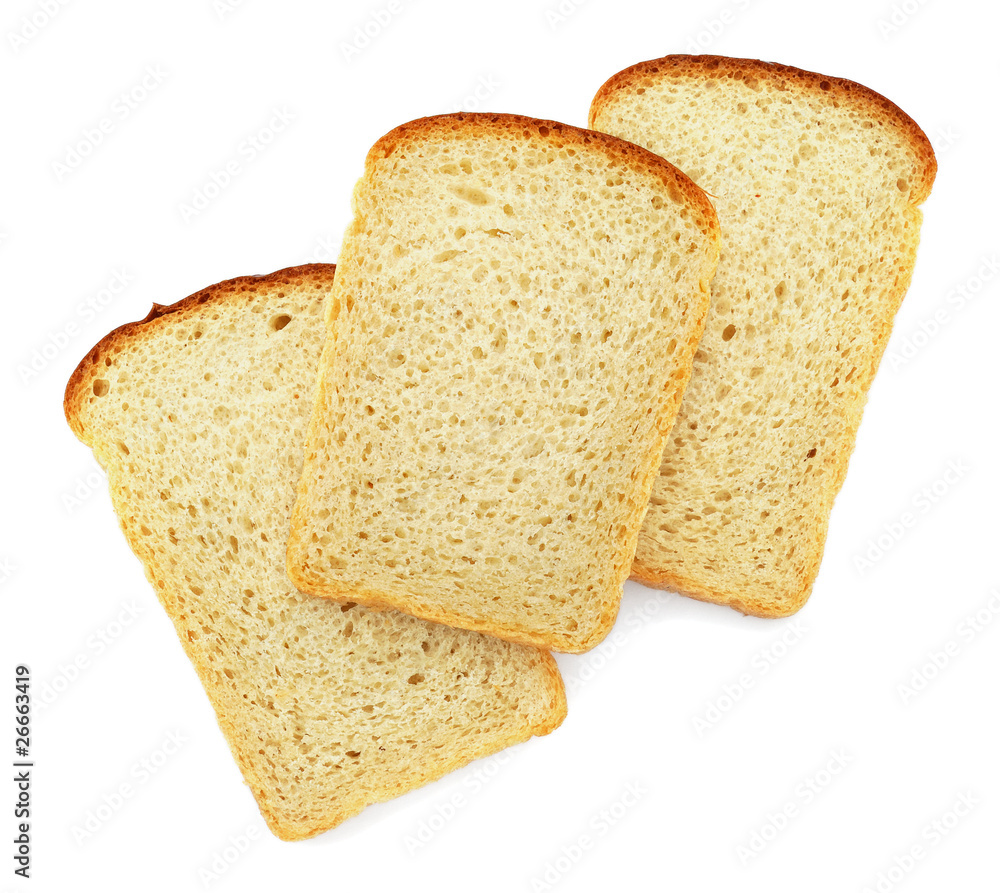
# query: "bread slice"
511,329
198,414
816,181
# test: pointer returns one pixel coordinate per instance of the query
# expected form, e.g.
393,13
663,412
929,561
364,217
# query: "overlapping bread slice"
817,183
198,414
512,327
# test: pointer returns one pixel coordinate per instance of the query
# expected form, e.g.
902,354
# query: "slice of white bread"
816,181
512,327
198,414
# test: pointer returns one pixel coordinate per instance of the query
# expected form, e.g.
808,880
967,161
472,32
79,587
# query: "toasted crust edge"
720,66
228,289
715,66
632,156
557,133
281,825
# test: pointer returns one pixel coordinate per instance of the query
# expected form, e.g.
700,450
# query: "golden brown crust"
783,77
111,343
837,89
558,135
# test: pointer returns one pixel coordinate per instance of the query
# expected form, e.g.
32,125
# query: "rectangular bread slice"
510,332
816,181
198,414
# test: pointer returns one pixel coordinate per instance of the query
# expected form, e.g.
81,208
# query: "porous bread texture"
816,181
198,414
511,329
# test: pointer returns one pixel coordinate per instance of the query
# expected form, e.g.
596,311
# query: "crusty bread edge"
634,157
281,825
557,134
716,66
222,291
885,109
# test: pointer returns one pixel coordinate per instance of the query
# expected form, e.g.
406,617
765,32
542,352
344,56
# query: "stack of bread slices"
373,499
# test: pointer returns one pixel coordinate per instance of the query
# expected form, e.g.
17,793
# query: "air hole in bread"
444,256
280,321
470,194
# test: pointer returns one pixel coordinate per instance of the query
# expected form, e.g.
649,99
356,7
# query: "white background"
831,683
